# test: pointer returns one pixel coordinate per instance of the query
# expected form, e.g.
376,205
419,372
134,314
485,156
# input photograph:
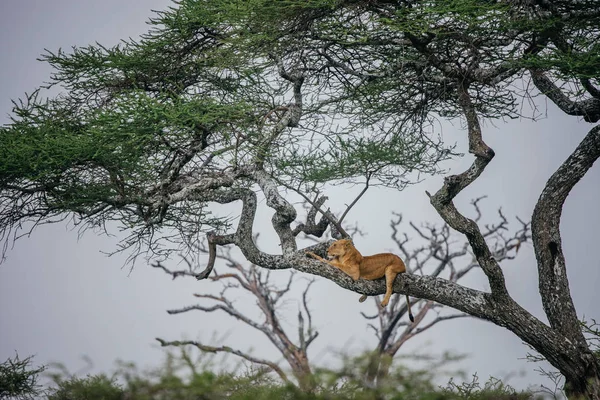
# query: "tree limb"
589,109
442,200
553,282
226,349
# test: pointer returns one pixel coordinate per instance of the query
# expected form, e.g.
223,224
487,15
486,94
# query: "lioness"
345,256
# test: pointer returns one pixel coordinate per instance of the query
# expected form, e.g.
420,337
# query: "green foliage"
93,387
131,139
197,102
146,133
18,379
182,377
205,384
346,156
567,35
494,388
403,384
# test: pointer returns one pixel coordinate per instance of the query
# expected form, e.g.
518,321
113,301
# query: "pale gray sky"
61,298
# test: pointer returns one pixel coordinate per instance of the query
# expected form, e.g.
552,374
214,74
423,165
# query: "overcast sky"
62,298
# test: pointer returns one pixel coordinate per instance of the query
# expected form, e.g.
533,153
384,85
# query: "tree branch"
284,215
226,349
442,200
311,227
589,109
316,204
356,199
554,285
243,236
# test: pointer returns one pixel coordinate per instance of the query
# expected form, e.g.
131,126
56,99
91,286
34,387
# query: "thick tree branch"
442,200
553,282
509,314
479,304
289,119
243,236
284,215
589,109
589,86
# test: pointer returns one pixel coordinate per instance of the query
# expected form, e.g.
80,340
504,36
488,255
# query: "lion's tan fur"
345,256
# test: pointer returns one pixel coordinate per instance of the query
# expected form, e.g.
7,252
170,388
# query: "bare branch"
227,308
440,319
255,280
174,274
369,174
226,349
312,334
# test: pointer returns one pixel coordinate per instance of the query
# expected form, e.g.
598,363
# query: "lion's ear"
348,243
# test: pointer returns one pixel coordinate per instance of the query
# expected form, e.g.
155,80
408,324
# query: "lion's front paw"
311,254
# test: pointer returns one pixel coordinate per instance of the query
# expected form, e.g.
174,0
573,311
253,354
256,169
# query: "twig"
369,174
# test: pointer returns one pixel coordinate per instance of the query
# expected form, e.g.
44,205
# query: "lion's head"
339,248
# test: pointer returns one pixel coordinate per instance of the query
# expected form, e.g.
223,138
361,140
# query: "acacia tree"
221,100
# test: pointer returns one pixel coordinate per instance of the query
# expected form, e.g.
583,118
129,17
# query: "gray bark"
554,283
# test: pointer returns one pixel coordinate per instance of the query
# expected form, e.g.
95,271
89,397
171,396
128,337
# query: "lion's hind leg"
390,275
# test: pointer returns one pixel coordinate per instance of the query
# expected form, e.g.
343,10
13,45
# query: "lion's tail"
410,315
